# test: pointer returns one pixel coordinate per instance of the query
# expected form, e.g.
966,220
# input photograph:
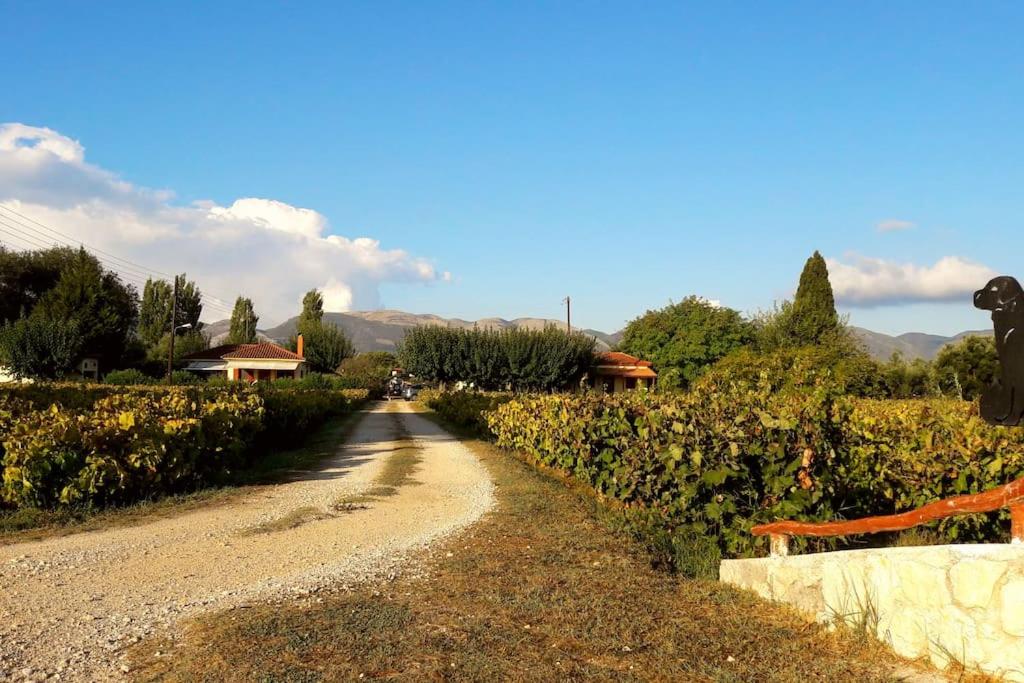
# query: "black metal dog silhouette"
1003,402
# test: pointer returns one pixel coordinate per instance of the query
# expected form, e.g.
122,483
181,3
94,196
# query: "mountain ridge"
383,330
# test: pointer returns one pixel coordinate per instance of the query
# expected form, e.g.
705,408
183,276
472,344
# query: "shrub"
101,444
130,377
465,409
716,461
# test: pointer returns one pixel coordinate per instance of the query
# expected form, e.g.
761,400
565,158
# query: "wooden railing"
1008,496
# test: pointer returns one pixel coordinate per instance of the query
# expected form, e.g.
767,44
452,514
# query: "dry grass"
396,473
539,590
293,519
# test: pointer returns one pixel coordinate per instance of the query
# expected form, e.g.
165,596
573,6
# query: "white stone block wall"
962,602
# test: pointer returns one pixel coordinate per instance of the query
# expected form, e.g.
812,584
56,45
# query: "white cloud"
265,249
865,282
894,225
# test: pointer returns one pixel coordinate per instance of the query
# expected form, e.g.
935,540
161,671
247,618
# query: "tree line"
518,359
794,342
60,305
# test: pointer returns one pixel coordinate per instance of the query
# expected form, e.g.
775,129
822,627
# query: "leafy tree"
243,322
155,311
185,342
965,368
104,309
325,347
312,310
190,304
26,276
904,379
40,348
369,369
157,307
537,360
683,339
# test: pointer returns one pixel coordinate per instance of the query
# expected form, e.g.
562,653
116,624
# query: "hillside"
911,345
384,330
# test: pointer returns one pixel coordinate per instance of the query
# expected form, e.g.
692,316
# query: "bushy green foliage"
814,307
903,379
683,339
369,370
717,460
242,328
102,444
129,377
185,343
158,305
464,409
103,308
25,276
326,346
966,368
520,360
40,348
848,371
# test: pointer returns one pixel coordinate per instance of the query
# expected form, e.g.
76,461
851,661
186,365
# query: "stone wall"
964,602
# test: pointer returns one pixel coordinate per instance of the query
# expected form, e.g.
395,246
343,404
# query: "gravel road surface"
69,606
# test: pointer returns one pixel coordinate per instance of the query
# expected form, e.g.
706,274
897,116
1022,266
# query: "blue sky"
626,154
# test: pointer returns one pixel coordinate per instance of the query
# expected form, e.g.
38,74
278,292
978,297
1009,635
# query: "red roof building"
249,362
616,371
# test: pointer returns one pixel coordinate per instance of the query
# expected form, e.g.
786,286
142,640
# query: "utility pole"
568,314
174,327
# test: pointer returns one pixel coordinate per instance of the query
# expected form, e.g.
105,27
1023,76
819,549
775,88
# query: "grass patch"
538,590
396,473
30,524
293,519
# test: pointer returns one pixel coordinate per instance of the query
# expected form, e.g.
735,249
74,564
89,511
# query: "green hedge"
89,445
714,463
464,409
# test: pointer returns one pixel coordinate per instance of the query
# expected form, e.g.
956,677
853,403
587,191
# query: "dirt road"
70,605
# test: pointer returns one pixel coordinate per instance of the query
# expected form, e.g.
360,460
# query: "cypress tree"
814,309
312,311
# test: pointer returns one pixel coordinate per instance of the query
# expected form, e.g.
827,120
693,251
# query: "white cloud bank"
265,249
894,225
866,282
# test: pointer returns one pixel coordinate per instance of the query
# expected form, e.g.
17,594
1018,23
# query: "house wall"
268,370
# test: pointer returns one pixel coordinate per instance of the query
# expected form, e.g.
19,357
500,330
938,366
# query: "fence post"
1017,523
779,545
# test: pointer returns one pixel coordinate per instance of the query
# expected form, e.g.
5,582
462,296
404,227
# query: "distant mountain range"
384,330
911,345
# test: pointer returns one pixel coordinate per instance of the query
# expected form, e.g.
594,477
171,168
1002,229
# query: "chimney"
299,346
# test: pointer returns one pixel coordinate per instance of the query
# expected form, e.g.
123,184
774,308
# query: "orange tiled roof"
622,359
258,351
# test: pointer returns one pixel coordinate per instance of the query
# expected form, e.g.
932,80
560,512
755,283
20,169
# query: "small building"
615,371
89,368
249,362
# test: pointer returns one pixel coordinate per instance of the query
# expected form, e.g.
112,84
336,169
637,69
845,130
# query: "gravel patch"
70,606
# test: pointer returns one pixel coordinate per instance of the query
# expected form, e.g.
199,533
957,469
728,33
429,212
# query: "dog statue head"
1002,293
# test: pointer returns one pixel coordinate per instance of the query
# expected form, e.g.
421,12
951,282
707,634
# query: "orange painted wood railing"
1009,496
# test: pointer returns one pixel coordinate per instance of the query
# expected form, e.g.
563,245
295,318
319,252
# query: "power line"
130,270
71,241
